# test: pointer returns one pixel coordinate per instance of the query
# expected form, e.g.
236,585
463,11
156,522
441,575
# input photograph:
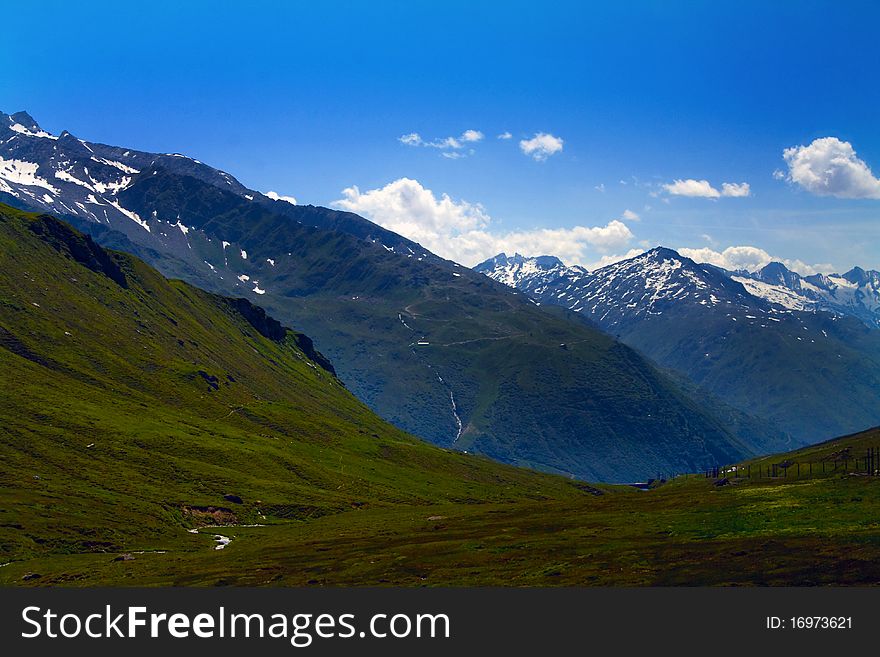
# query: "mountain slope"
442,352
433,347
812,373
132,405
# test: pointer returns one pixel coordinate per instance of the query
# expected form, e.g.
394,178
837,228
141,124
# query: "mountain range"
435,348
803,353
855,293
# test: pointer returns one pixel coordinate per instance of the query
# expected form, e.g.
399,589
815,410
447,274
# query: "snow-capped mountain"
138,195
761,342
856,293
516,269
63,174
647,284
91,183
651,281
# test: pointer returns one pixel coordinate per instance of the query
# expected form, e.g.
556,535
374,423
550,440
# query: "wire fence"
840,462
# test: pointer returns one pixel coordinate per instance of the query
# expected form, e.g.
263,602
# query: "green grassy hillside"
131,404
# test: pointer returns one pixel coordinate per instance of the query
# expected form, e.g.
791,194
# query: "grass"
129,410
688,532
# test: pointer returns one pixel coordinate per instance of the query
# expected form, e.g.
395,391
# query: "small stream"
220,540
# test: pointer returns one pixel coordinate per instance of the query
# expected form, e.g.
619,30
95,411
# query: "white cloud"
750,258
830,167
778,174
405,206
462,231
505,135
541,146
446,144
703,189
411,139
736,190
604,261
600,187
275,196
693,188
572,245
629,215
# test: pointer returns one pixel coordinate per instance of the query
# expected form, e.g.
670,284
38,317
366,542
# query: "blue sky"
311,99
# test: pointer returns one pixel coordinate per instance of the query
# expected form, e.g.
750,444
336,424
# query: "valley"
156,434
687,532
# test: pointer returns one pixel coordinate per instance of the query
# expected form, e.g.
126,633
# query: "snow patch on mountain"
122,167
777,294
21,172
131,215
42,134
